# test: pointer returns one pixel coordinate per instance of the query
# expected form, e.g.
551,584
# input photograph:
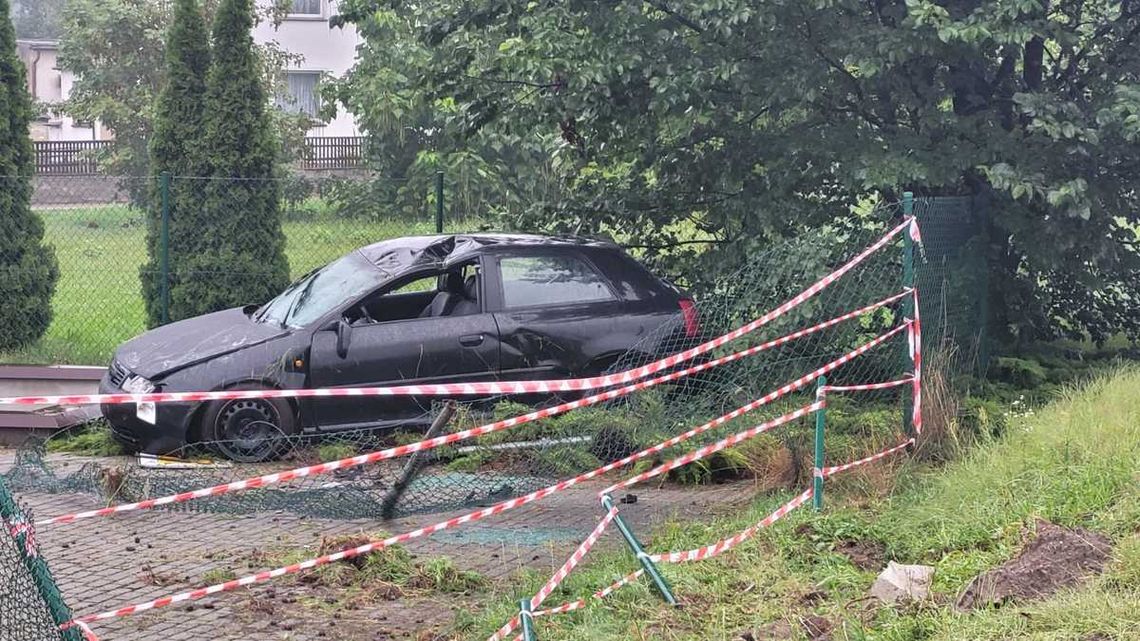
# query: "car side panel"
407,352
572,340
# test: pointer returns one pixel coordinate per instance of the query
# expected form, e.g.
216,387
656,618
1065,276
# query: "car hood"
178,345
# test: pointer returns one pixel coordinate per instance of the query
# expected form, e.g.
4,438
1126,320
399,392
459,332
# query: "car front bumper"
167,434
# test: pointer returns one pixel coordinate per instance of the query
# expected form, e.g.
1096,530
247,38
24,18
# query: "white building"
323,52
304,32
49,85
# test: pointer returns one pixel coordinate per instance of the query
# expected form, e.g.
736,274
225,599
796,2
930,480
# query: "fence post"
907,304
439,202
646,563
526,620
820,423
164,247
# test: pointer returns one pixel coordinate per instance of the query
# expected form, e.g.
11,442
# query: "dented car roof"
400,255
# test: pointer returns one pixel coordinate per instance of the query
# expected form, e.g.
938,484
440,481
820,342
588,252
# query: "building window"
302,95
306,8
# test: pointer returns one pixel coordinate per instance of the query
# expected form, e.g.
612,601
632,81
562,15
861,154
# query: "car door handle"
471,340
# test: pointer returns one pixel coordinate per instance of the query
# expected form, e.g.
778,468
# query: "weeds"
93,439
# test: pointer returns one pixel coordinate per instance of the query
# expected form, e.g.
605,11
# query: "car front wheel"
249,430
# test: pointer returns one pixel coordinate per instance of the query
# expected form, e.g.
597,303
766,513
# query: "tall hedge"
175,149
28,269
240,258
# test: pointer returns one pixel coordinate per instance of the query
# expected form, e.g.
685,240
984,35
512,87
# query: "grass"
1075,462
100,248
92,439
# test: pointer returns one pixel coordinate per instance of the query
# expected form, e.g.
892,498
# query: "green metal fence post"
439,202
164,247
526,620
820,423
646,563
907,307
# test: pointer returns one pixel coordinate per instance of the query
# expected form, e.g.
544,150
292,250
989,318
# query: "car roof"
399,255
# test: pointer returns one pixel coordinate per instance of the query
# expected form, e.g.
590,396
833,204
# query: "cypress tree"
174,149
28,269
242,255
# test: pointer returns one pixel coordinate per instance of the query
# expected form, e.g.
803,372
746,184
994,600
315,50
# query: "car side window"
550,280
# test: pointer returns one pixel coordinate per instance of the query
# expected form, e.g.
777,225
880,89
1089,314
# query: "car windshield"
321,291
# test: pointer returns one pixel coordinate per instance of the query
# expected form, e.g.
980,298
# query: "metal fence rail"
333,152
69,157
81,157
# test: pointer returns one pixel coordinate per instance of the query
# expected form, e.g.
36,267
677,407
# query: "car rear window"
550,280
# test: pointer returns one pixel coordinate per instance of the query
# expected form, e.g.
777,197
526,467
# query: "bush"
178,127
240,256
1020,372
28,268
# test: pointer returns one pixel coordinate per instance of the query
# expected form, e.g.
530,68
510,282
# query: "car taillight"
690,317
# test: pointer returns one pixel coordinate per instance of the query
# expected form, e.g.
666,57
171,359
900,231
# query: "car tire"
249,430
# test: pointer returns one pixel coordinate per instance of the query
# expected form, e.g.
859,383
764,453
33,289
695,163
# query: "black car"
460,308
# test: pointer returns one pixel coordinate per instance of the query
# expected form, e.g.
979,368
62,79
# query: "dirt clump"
1057,557
864,554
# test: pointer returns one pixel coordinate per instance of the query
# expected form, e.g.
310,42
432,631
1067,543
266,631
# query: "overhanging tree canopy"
743,121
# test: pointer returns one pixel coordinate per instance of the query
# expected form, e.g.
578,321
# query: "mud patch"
815,628
864,554
1055,558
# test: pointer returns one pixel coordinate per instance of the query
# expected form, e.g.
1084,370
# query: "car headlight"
138,385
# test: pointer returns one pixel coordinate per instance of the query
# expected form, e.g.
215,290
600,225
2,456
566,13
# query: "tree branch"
661,6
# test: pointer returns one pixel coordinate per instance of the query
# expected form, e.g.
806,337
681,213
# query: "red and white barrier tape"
709,450
915,335
836,469
468,389
600,594
448,439
720,547
498,508
551,585
868,387
88,633
725,545
687,459
513,624
31,550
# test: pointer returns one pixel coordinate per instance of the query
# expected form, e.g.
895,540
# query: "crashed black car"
453,308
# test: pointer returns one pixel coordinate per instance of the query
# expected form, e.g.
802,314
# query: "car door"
556,313
448,349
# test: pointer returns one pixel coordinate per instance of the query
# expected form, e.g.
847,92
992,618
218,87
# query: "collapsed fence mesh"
486,470
31,607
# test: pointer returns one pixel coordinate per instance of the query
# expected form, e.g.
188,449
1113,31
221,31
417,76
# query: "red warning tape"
868,387
498,508
720,547
468,389
88,633
836,469
600,594
708,450
572,562
707,551
447,439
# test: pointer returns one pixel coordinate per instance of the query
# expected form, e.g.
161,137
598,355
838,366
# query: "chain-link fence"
488,469
31,607
100,240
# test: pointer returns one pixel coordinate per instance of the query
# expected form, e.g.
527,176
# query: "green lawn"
1075,463
100,248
